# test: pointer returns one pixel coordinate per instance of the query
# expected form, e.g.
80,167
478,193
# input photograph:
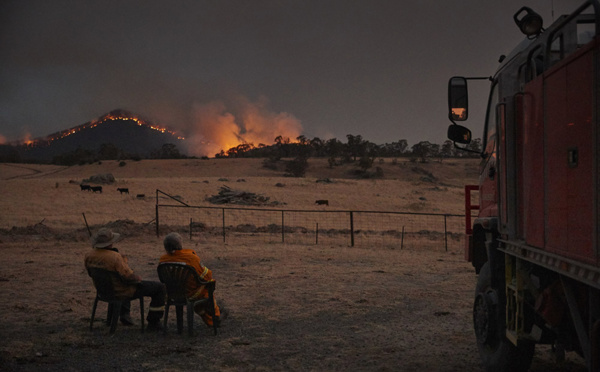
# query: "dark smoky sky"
375,68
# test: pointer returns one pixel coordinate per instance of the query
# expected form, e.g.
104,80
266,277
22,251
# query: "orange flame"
115,115
217,129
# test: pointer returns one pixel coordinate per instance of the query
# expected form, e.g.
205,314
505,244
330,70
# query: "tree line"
80,156
353,149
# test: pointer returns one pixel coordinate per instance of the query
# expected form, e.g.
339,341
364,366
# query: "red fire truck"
534,242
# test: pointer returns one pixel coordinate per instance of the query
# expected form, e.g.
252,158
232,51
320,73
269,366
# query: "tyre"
496,352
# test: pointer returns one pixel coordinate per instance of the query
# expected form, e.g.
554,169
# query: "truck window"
557,50
489,135
571,36
585,33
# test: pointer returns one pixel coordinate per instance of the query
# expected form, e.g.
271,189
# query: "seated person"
105,256
175,253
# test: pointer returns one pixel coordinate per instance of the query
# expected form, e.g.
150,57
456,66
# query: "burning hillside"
126,132
116,115
214,127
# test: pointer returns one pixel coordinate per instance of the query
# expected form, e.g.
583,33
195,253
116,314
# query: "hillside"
127,135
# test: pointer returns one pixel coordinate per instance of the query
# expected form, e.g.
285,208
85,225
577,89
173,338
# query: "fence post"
157,234
282,228
351,229
190,228
445,234
223,225
402,240
317,235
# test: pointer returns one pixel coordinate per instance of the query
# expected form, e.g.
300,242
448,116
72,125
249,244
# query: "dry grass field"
291,307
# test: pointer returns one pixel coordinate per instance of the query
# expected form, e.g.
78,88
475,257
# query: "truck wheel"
496,352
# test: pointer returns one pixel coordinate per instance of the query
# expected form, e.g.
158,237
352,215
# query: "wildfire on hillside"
217,128
214,127
112,116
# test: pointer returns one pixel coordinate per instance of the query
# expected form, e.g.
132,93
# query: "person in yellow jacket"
173,244
130,285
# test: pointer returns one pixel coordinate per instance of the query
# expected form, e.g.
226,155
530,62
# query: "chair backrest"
104,282
176,277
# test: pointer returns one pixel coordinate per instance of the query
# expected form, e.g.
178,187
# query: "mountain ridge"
128,132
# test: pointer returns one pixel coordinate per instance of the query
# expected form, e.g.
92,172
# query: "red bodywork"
556,147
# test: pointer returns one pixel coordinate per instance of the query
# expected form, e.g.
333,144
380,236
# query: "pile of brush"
229,196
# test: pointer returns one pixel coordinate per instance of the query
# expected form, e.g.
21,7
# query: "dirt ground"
296,308
291,307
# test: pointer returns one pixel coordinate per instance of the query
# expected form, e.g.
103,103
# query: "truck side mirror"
458,101
459,134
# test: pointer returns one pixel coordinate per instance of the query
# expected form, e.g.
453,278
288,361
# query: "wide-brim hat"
104,238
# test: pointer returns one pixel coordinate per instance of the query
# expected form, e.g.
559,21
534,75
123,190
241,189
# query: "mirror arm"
450,118
467,149
480,78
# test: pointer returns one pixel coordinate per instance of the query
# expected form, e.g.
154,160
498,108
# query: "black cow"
85,187
322,202
96,188
123,190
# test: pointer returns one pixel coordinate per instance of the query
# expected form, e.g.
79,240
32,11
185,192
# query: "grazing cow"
96,189
123,190
322,202
140,196
85,187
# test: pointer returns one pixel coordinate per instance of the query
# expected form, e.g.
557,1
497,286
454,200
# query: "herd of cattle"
99,189
124,190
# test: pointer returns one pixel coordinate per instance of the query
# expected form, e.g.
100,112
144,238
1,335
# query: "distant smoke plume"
217,127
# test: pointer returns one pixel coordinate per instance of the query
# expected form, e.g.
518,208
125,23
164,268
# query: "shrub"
365,162
297,167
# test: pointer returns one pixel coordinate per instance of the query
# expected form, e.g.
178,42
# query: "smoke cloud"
218,126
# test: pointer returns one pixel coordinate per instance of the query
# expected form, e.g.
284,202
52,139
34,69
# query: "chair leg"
142,312
93,313
166,317
216,320
190,318
179,311
116,311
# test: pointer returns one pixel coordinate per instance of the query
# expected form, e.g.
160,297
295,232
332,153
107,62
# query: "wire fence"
307,227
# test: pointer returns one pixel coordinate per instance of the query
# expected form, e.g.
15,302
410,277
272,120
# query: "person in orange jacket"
173,244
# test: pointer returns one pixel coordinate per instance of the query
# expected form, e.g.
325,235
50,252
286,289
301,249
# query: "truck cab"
535,239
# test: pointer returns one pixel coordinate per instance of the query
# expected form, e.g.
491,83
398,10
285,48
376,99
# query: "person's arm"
126,273
204,272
